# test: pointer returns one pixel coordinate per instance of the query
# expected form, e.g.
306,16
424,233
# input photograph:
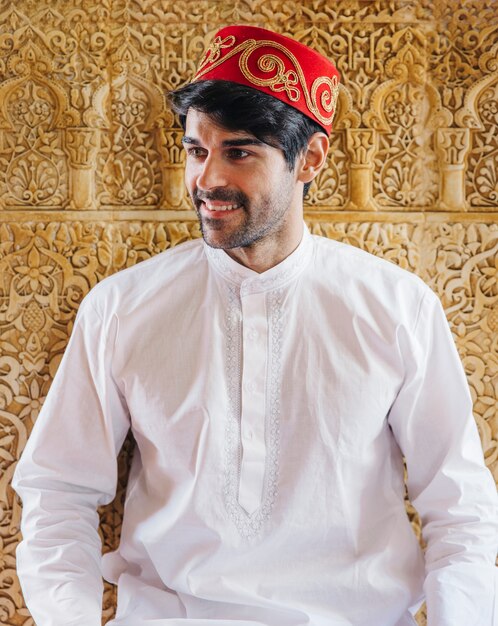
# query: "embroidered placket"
254,331
253,400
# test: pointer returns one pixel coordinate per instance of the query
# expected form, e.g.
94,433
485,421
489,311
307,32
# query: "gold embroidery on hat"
282,80
213,53
329,96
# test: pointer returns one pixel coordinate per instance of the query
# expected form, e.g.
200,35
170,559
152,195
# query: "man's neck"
267,253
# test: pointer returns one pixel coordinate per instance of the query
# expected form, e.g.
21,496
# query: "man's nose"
213,174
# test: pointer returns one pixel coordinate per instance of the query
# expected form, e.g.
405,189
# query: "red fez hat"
277,65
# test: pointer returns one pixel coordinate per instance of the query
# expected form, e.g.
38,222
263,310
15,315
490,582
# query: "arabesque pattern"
91,175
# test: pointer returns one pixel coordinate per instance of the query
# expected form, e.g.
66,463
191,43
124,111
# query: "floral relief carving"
130,161
480,114
45,98
251,11
462,34
401,176
34,171
131,175
405,111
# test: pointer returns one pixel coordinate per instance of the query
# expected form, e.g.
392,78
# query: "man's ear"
313,157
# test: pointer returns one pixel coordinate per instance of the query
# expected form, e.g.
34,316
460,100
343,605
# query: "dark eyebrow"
228,143
190,141
243,141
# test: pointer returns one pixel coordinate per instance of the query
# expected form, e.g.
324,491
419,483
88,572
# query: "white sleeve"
448,482
67,470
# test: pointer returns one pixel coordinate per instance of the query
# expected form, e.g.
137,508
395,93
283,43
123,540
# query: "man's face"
241,188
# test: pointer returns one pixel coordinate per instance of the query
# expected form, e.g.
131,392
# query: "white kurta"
271,413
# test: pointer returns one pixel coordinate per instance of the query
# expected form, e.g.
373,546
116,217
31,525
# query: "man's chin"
218,242
215,236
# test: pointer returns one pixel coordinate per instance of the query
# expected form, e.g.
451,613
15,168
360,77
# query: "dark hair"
237,107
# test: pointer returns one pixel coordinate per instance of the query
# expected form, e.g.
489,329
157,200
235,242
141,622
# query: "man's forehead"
200,127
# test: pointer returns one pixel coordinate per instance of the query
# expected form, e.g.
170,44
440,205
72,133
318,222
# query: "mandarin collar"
250,281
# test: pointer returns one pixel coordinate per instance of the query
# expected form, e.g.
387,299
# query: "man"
273,382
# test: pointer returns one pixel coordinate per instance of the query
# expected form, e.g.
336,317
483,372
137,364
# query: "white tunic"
271,414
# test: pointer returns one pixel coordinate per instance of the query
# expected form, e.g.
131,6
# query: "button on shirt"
271,414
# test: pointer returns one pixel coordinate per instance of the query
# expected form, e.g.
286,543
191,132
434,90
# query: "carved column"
173,167
362,145
82,146
453,146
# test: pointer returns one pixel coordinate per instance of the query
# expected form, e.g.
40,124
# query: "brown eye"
237,153
196,152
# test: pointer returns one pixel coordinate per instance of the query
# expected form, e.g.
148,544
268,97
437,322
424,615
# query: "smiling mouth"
219,202
212,208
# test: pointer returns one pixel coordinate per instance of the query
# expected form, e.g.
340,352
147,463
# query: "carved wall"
91,174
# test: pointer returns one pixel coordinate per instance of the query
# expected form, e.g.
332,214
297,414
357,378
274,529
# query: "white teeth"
224,207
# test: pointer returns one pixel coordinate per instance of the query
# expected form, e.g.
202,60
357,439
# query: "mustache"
221,195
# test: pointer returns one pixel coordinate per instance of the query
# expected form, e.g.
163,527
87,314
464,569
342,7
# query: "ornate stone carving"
32,112
362,145
131,171
452,145
459,36
480,114
82,146
173,162
405,110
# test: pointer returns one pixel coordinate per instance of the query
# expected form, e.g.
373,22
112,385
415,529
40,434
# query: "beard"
254,223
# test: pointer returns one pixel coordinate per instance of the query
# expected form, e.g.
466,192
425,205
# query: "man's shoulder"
150,276
361,265
361,278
